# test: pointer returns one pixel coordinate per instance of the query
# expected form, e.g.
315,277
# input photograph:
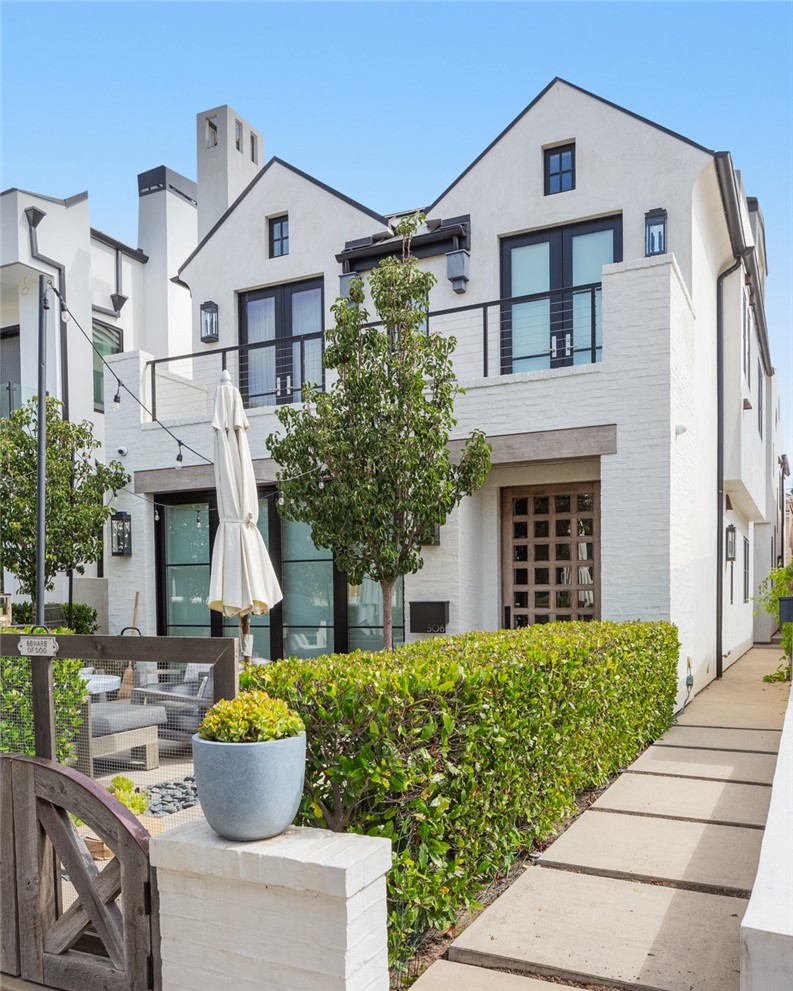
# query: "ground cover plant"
465,750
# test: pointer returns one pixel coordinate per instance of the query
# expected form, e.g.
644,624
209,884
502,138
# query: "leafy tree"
76,486
365,464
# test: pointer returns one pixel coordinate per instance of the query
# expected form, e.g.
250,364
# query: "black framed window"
554,277
107,340
320,611
10,371
745,570
288,322
759,397
279,236
559,169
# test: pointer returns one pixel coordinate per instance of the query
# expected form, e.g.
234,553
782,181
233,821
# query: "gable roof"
252,183
540,95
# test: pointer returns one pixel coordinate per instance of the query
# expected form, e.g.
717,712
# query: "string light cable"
121,385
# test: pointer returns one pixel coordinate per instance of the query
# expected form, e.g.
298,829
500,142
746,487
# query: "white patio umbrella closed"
242,580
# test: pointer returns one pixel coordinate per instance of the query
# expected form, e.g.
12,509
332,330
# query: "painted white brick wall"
304,911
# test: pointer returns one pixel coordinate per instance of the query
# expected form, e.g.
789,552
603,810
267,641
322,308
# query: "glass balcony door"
557,273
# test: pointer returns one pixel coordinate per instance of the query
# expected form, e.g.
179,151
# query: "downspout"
725,175
34,217
720,461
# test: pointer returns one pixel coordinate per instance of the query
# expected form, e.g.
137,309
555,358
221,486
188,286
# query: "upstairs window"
279,236
254,150
238,135
107,340
759,397
559,169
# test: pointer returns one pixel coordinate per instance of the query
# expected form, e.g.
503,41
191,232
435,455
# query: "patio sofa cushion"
115,717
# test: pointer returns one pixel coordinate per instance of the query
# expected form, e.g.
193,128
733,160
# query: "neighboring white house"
604,278
121,296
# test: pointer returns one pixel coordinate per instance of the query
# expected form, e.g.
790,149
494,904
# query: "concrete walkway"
647,889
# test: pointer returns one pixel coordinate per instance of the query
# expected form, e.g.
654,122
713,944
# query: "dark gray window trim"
453,234
548,153
271,238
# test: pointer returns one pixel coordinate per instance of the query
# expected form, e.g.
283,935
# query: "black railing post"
484,342
593,323
153,392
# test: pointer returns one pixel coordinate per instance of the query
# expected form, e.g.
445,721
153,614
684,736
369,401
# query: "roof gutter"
34,216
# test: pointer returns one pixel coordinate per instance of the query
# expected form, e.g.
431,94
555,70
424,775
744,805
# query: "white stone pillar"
304,911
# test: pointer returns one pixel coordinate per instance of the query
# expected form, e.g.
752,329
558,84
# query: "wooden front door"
550,553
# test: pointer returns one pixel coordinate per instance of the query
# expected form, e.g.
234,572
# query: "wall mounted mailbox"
429,617
785,608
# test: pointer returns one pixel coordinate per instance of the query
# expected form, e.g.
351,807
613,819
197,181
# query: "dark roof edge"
540,95
69,201
730,197
111,242
304,175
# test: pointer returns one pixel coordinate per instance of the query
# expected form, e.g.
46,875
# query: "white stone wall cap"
302,858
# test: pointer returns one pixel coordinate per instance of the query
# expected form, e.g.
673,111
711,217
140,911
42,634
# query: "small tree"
76,486
365,464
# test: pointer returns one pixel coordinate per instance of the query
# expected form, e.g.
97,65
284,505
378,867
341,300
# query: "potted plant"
250,757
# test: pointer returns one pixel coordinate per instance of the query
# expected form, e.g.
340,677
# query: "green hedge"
16,702
85,618
466,749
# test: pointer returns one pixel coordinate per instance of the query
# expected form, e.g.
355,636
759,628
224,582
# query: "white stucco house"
121,296
604,278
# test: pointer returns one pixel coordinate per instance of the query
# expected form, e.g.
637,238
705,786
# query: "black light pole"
41,478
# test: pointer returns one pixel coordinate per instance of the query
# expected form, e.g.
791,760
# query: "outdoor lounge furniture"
109,727
185,704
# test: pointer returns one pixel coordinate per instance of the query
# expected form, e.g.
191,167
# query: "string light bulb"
198,519
179,455
156,515
281,499
117,397
65,315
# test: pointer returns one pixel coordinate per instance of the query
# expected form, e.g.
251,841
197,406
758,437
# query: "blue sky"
388,102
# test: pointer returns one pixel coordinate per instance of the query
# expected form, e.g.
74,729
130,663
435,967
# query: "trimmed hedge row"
464,750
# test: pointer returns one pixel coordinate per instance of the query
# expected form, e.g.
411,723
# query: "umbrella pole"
245,629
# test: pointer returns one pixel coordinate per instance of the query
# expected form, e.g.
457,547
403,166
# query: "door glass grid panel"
187,570
551,573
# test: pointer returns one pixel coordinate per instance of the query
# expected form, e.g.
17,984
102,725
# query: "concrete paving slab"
722,765
737,706
714,738
691,854
688,798
447,976
589,928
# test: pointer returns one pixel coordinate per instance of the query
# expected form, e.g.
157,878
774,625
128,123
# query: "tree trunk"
388,622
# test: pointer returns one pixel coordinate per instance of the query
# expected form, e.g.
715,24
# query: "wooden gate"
105,939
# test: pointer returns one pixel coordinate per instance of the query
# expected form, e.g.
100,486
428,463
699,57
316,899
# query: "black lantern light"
121,535
209,322
729,547
655,232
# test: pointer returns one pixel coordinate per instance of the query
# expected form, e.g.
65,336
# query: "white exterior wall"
223,172
167,232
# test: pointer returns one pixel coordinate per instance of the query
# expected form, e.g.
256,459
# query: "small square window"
279,236
559,169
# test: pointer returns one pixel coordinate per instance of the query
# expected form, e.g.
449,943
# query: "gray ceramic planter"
250,791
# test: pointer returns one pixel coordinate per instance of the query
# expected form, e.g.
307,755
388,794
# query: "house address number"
37,646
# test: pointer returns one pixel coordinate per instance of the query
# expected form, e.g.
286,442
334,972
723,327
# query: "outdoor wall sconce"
121,535
655,232
729,547
210,331
458,266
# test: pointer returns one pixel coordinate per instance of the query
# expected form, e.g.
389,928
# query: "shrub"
124,790
84,617
779,583
252,717
16,703
464,750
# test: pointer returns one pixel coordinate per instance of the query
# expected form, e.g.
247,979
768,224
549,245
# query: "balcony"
501,337
12,396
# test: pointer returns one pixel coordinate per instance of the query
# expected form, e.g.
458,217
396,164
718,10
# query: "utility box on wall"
429,617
